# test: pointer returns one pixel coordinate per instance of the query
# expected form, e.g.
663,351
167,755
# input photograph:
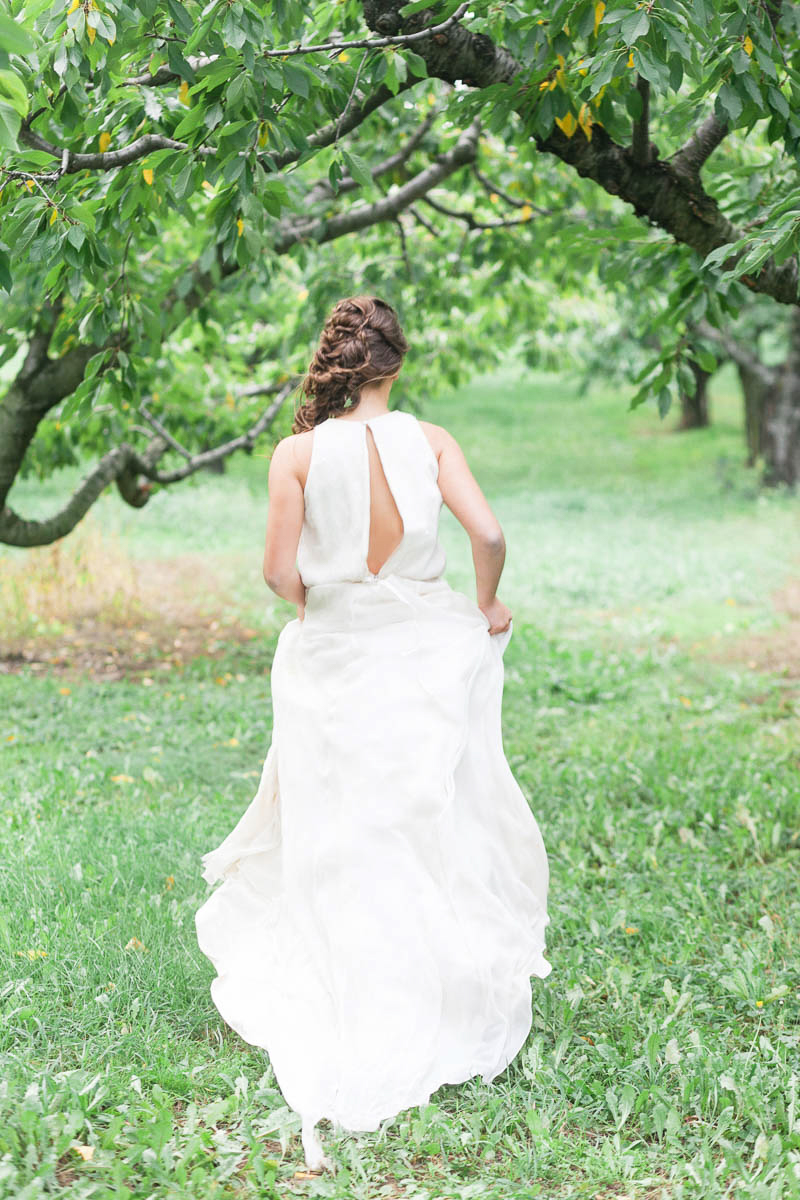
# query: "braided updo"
361,342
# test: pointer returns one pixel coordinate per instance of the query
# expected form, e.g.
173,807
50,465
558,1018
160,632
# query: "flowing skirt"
383,902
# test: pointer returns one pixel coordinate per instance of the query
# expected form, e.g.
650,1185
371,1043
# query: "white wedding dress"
383,903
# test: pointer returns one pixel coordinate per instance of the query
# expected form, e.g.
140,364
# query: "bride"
384,896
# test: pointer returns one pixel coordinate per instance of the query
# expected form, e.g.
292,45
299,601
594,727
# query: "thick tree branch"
737,352
124,465
356,114
108,160
700,146
656,189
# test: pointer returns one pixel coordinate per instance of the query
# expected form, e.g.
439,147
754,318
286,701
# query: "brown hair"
361,342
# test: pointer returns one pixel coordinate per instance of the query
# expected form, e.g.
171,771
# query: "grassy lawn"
650,715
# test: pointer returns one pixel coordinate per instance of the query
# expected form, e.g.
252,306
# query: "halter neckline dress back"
334,542
383,898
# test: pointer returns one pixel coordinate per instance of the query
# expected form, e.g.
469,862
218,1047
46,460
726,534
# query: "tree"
171,167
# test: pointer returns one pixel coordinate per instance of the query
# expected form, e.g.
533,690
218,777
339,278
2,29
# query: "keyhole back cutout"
386,528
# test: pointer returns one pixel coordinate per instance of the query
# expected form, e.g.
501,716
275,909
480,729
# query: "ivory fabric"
384,896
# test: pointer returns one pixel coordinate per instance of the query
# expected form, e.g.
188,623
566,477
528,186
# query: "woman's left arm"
284,525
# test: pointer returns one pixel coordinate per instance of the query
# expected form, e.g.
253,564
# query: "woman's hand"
498,616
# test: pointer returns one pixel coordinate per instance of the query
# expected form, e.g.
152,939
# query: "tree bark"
782,416
694,406
755,389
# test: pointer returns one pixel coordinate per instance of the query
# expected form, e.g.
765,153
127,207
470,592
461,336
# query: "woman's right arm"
463,496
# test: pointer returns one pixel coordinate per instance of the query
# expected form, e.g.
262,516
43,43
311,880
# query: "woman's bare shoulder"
437,435
293,453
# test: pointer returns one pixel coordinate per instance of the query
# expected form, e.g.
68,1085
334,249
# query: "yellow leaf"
585,121
630,59
183,94
344,56
147,175
240,227
568,124
229,400
748,45
599,12
105,142
54,216
135,944
169,882
91,33
29,184
75,4
263,133
86,1152
526,212
685,701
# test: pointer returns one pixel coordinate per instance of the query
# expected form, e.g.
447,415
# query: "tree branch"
325,229
356,114
123,466
109,160
640,142
735,351
322,189
656,190
700,146
470,220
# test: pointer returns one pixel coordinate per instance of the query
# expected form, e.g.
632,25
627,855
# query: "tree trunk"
782,416
755,391
694,408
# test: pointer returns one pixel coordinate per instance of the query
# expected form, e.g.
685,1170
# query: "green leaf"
180,16
13,38
416,62
296,80
5,271
13,88
731,102
635,26
358,168
10,122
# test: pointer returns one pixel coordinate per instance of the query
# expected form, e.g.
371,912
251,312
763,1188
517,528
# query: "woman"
383,902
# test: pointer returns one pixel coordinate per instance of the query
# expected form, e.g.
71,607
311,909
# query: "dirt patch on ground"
97,613
776,650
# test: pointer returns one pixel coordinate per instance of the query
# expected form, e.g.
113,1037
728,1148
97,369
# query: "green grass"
663,1060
